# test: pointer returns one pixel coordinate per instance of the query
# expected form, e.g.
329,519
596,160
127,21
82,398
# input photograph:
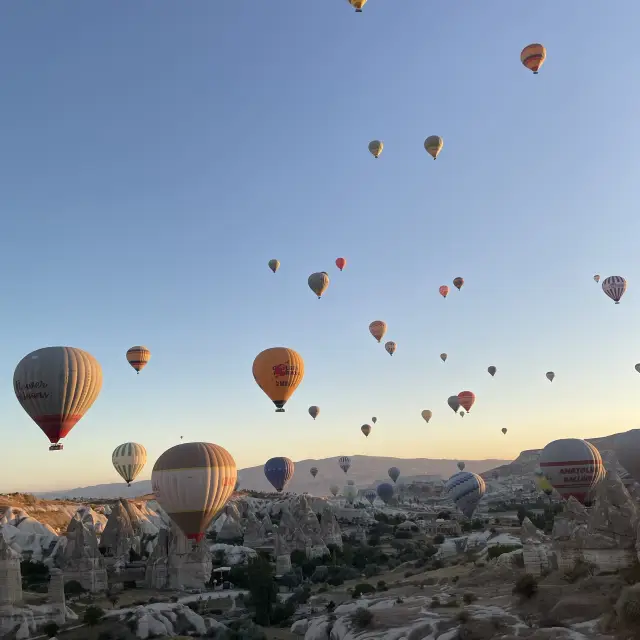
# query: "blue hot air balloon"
278,472
466,489
394,473
385,492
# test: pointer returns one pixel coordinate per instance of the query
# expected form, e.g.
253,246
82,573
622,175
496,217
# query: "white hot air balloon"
128,460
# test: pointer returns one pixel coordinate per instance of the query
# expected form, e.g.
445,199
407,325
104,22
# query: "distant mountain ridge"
365,471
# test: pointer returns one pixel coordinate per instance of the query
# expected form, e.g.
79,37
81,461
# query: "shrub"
93,616
239,576
498,549
469,597
437,564
438,539
298,557
526,586
282,613
105,635
51,629
335,581
371,570
363,587
381,585
402,534
323,589
362,618
73,588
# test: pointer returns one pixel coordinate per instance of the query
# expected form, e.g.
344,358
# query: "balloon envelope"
573,467
458,282
467,398
426,415
366,429
550,376
614,287
274,265
357,4
454,403
350,492
394,473
56,386
504,430
334,490
313,471
192,482
596,278
443,357
533,56
128,460
461,465
542,482
374,419
385,492
375,148
344,462
492,370
278,372
138,357
466,489
314,411
371,496
341,263
377,329
318,283
626,446
433,145
278,472
391,347
444,290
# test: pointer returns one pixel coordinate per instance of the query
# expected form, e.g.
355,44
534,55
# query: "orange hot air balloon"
138,357
341,263
467,398
444,290
533,57
377,329
458,282
278,372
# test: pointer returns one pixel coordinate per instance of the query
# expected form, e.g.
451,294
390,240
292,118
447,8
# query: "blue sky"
155,155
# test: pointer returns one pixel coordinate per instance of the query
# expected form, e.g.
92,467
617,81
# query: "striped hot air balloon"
192,482
138,357
533,57
279,471
573,467
128,460
344,462
614,287
371,496
466,489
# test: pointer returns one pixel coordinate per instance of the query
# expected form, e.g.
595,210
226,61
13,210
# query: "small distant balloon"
433,146
314,411
357,4
458,282
366,429
550,376
444,290
454,403
461,413
274,265
313,471
318,283
385,492
638,367
341,263
596,278
614,287
461,465
426,415
375,148
504,430
334,490
467,398
138,357
394,473
344,462
533,57
492,370
390,347
377,329
374,419
443,357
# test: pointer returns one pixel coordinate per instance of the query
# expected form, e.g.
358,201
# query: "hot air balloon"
357,4
626,446
492,370
390,347
596,278
334,490
394,473
138,357
318,283
344,462
444,290
192,482
56,386
371,496
341,263
443,357
350,493
533,56
374,419
461,465
278,372
542,483
454,403
466,489
458,282
433,145
461,413
376,147
426,415
385,492
467,398
274,265
313,471
366,429
504,430
614,287
279,471
377,329
314,411
573,467
128,460
637,367
550,376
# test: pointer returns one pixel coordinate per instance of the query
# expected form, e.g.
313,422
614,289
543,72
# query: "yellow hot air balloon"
192,482
542,482
274,265
433,145
376,147
318,283
56,386
377,329
426,415
391,347
533,57
357,4
129,460
138,357
278,372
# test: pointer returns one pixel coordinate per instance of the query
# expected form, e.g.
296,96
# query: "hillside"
365,471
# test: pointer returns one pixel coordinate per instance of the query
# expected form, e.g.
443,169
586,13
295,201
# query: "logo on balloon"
28,391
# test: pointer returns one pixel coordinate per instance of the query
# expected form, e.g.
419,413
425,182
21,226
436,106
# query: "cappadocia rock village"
439,457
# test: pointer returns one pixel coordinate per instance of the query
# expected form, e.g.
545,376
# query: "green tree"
263,589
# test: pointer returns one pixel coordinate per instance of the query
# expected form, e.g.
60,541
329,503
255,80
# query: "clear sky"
154,155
